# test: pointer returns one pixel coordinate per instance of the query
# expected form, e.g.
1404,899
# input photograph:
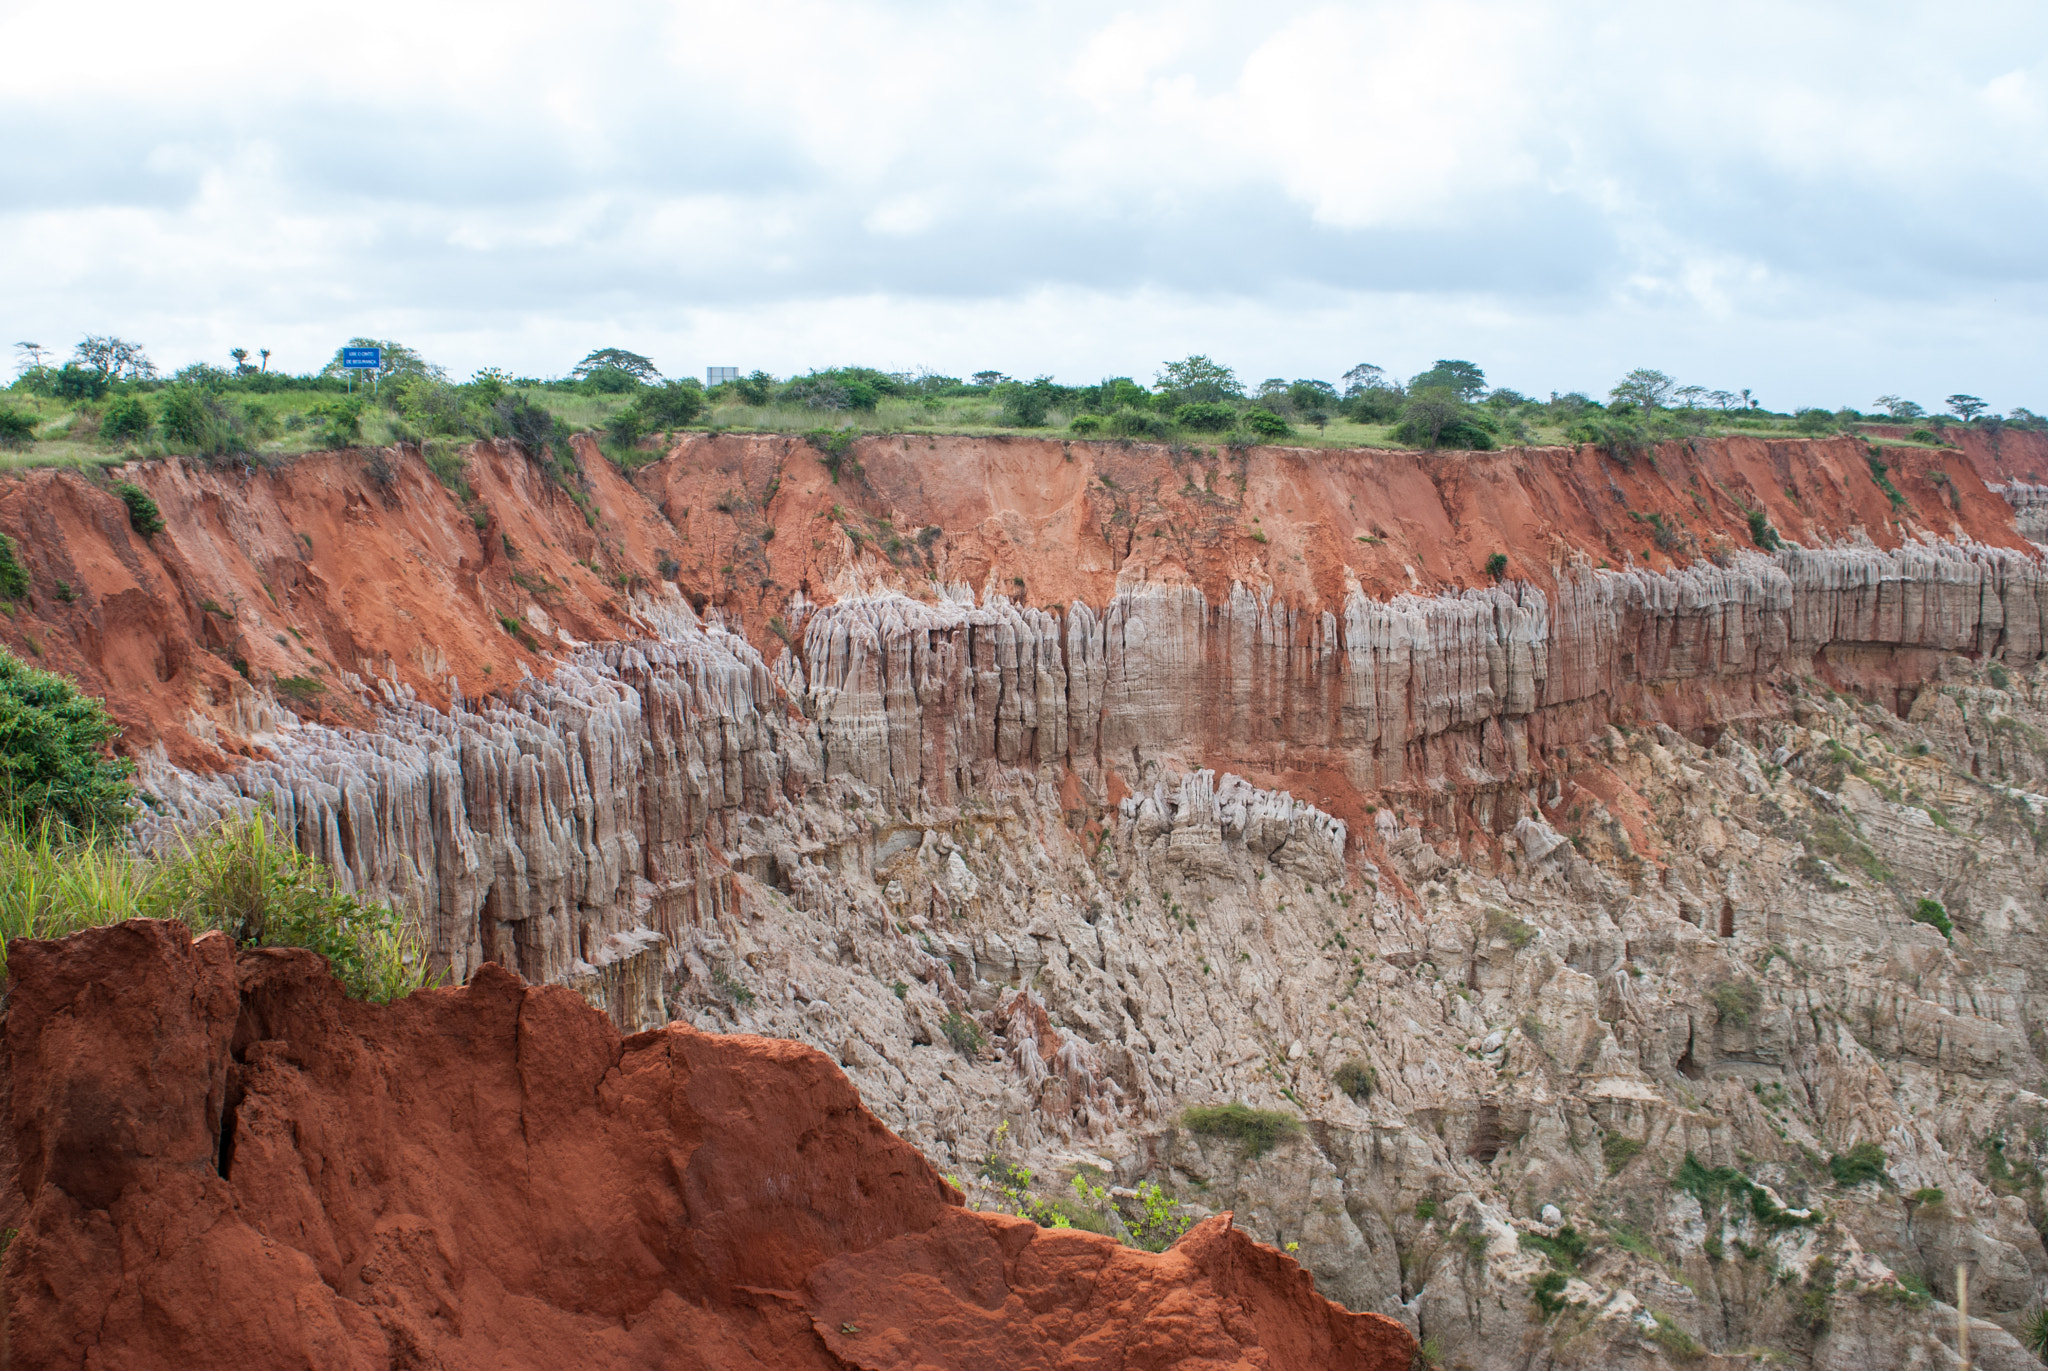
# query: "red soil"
318,570
227,1164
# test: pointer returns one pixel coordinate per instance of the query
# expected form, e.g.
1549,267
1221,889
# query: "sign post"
362,359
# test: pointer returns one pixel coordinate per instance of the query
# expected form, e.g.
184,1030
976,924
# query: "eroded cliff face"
1183,776
490,1177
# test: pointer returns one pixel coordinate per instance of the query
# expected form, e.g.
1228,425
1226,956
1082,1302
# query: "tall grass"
239,878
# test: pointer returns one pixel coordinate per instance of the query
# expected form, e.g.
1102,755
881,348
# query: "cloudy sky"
1818,201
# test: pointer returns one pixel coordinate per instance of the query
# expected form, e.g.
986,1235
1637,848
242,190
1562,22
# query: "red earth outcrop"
226,1163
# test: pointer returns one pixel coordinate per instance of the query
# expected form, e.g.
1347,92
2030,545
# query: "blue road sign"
362,359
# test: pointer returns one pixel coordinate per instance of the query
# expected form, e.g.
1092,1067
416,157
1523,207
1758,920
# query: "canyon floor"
1646,939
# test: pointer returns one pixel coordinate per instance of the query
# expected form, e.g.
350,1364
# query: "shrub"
143,515
16,429
1497,565
1932,913
1255,1131
1761,533
1205,416
54,776
1860,1165
1135,423
344,416
1026,405
1266,424
301,690
2034,1332
1618,432
1737,1002
14,583
196,418
241,879
1673,1339
1085,423
1357,1079
126,417
1548,1292
1713,1188
1929,1195
1996,674
961,1031
1814,421
671,405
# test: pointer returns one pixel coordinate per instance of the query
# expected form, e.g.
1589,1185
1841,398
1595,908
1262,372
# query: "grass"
1618,1151
239,878
1714,1187
1255,1131
1860,1165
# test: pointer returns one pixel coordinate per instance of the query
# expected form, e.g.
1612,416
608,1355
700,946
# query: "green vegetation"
1255,1131
1548,1292
1714,1188
1673,1339
965,1035
1932,913
1497,565
1860,1165
143,515
1509,929
14,582
55,775
1618,1151
2034,1331
1737,1002
1761,533
1565,1250
238,878
109,402
1929,1195
1356,1078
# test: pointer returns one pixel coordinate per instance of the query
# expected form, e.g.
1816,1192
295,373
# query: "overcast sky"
1818,201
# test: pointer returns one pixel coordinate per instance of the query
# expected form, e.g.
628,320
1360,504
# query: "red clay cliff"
228,1164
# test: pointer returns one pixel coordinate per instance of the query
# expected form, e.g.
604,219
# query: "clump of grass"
1714,1187
1673,1339
1505,926
1255,1131
1565,1250
1737,1002
1860,1165
1929,1195
1357,1079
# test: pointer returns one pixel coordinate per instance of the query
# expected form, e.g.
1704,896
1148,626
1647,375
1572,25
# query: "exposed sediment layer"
491,1176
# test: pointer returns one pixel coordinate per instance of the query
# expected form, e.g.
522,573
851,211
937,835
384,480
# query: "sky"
1821,202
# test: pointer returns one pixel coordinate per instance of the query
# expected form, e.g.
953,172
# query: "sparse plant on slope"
1255,1131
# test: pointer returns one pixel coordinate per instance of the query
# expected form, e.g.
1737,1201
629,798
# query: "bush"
1548,1292
143,515
1497,565
241,879
14,583
1135,423
1205,416
1618,432
1737,1002
1814,421
671,405
1932,913
1255,1131
1085,424
126,417
1566,1250
1026,405
1618,1150
198,419
961,1031
54,774
1860,1165
16,429
1266,424
344,416
1761,533
1356,1079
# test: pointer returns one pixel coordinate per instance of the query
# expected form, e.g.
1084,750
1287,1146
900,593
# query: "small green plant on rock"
1619,1150
1935,916
1860,1165
1357,1079
965,1035
143,515
1255,1131
1737,1002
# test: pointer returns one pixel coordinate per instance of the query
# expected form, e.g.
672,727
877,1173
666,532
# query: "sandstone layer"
227,1164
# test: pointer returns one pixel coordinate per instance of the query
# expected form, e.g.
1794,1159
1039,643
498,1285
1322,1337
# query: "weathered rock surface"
227,1164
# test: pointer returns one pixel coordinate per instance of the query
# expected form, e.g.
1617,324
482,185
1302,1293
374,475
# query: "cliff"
1053,788
226,1164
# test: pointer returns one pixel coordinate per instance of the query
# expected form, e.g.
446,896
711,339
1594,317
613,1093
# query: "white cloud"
1557,188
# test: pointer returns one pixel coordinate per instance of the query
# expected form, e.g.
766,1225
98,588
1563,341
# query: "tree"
1689,397
241,356
1310,398
1430,410
1748,401
397,360
1905,411
1272,388
1723,400
113,359
265,354
31,357
1196,379
1966,407
1462,379
1644,387
1363,377
616,359
987,378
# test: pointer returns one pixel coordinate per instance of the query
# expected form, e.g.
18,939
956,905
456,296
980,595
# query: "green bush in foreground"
239,878
1255,1131
143,515
54,774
